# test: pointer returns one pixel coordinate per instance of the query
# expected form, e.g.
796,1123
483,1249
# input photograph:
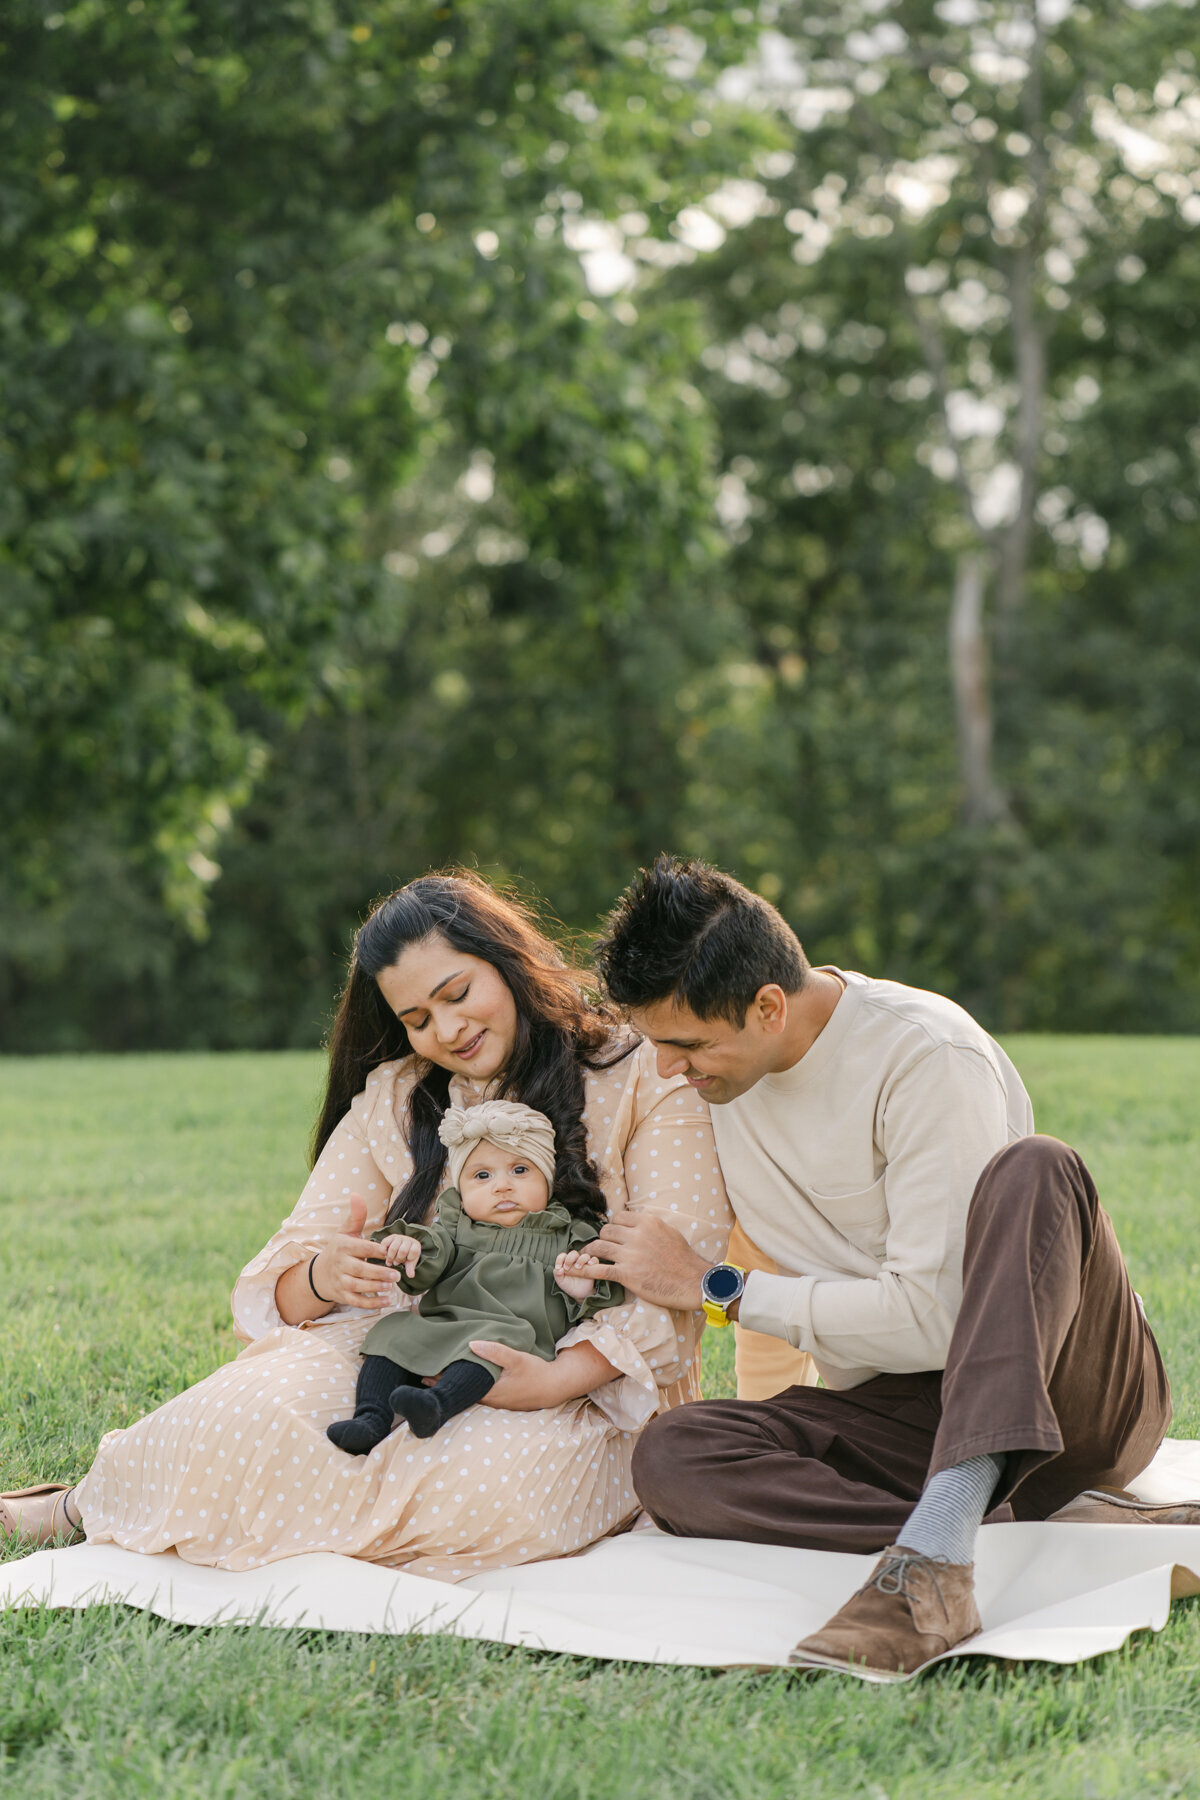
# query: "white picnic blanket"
1048,1593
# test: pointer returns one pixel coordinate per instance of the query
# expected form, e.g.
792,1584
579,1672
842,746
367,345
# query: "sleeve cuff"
253,1300
779,1306
631,1397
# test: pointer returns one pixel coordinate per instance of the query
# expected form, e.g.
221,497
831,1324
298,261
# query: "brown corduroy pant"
1051,1363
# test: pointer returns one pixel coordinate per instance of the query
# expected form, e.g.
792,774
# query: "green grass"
132,1189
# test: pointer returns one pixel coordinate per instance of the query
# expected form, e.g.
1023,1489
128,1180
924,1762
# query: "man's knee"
1032,1166
1029,1188
660,1459
684,1456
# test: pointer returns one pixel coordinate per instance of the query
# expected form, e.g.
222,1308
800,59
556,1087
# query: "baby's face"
499,1187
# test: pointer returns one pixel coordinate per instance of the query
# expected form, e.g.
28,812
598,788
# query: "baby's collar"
553,1218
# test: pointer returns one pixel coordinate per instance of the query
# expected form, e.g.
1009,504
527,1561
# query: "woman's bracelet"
312,1284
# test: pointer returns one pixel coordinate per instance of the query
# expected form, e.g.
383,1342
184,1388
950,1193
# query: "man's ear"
769,1009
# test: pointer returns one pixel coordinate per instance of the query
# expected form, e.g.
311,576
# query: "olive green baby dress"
485,1281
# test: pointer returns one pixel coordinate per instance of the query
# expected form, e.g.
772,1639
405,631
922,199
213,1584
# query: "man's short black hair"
684,931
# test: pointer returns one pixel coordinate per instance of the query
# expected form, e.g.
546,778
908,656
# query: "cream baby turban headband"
505,1123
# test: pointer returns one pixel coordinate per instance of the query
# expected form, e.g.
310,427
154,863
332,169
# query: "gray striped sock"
950,1511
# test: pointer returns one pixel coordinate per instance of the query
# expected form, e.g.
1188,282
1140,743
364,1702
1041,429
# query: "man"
953,1276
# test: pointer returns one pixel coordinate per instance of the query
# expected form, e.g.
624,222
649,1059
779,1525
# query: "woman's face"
457,1010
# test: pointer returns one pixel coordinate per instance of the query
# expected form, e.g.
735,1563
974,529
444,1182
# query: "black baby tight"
385,1390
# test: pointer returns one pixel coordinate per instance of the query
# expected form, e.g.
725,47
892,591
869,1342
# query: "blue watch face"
722,1284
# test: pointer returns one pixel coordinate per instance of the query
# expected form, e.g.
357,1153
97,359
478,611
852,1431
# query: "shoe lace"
895,1574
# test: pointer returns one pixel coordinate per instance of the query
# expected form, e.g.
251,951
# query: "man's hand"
650,1259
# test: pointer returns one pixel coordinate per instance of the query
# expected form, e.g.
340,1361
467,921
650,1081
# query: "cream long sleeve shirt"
854,1170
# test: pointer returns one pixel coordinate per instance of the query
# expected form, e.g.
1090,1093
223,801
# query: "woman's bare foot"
41,1515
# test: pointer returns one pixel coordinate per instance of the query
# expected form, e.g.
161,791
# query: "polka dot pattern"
237,1472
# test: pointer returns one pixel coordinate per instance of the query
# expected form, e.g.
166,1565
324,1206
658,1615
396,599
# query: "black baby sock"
374,1414
427,1409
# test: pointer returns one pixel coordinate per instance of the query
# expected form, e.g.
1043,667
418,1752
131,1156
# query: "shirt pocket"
861,1217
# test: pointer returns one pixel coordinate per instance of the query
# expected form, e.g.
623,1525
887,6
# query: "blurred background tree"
954,364
546,436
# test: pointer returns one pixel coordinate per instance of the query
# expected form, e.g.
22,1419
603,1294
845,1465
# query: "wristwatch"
720,1286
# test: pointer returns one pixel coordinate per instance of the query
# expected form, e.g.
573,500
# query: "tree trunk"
1028,347
1029,360
982,799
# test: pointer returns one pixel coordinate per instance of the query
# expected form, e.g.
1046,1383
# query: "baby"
496,1262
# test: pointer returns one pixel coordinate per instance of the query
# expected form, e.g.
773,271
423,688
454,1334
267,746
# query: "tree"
925,335
263,269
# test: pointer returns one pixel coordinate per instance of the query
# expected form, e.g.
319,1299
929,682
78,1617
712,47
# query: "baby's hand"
579,1287
401,1249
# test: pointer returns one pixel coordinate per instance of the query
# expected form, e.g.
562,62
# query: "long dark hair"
560,1030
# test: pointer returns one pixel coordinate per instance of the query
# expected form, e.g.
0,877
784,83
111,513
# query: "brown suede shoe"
1115,1506
909,1610
1097,1507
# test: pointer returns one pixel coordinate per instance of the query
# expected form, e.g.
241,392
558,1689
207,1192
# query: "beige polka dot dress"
238,1472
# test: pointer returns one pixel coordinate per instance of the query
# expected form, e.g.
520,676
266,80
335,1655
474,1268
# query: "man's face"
720,1060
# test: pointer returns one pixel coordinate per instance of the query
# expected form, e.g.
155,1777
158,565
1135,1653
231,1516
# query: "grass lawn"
132,1189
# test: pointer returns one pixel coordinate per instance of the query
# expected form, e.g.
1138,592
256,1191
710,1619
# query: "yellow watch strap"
714,1312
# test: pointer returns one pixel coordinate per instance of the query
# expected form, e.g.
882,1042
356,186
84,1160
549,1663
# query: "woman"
454,995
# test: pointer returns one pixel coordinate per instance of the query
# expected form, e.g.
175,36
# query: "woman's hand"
526,1383
349,1272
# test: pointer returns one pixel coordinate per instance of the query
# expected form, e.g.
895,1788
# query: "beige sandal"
47,1525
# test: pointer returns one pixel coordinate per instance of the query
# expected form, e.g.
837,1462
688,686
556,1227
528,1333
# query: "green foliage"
344,532
133,1189
271,274
969,274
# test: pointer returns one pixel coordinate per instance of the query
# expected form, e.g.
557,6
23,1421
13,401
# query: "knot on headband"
505,1123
